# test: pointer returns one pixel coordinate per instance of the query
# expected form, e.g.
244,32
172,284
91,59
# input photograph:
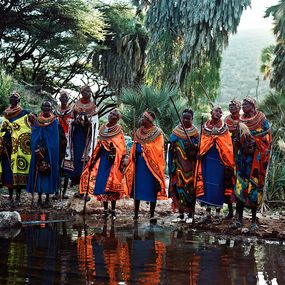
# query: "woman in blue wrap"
44,167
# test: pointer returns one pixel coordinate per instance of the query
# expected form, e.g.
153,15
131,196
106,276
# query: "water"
59,253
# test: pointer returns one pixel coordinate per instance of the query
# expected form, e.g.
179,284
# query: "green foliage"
205,79
49,42
120,57
8,84
278,13
274,108
201,29
133,102
267,55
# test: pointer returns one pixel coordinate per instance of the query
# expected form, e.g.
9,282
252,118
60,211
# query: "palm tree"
267,56
274,108
133,102
278,13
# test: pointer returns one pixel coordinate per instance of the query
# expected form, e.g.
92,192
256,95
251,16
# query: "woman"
216,167
44,169
64,115
233,122
15,152
252,161
144,175
84,128
182,156
103,173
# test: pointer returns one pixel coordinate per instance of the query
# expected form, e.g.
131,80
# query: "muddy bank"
271,223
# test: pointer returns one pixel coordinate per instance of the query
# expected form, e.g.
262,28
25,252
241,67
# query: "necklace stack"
63,112
106,133
253,122
12,112
231,123
45,121
88,108
214,129
179,132
144,135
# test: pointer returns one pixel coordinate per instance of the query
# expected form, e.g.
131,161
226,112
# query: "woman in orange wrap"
216,167
144,175
106,165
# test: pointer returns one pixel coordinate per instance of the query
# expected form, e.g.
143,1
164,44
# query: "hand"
112,151
32,117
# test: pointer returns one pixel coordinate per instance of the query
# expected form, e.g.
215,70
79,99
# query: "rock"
245,230
10,220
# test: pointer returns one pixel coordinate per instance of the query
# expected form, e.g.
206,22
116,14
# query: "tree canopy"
194,30
278,66
49,42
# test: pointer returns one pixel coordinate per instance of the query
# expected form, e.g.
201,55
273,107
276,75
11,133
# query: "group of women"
223,162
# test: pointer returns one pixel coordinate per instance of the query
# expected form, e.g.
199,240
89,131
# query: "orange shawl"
114,182
153,154
225,148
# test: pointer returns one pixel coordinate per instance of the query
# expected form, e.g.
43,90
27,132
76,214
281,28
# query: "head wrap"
84,88
236,102
15,94
216,107
148,115
63,92
117,113
251,101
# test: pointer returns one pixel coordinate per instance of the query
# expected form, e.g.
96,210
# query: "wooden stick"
197,167
89,174
181,122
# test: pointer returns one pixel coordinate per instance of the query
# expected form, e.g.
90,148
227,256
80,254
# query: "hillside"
241,64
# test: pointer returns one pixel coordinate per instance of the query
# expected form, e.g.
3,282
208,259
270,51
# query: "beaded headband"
15,94
236,102
84,88
148,116
216,107
250,100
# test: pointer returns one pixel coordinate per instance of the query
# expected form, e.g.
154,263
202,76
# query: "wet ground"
93,250
123,252
271,222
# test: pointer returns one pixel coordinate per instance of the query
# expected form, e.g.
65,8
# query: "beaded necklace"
63,112
231,123
89,108
106,133
217,129
253,122
179,132
43,121
144,135
12,112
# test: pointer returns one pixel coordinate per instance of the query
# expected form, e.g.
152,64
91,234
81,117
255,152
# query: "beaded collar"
89,108
231,123
211,130
179,132
44,122
144,135
253,122
12,112
106,133
63,112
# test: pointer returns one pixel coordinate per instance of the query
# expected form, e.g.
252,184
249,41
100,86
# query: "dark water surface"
114,254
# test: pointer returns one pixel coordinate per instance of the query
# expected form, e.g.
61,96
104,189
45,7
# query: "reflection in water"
58,254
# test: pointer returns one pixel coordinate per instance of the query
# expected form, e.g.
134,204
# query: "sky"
252,18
